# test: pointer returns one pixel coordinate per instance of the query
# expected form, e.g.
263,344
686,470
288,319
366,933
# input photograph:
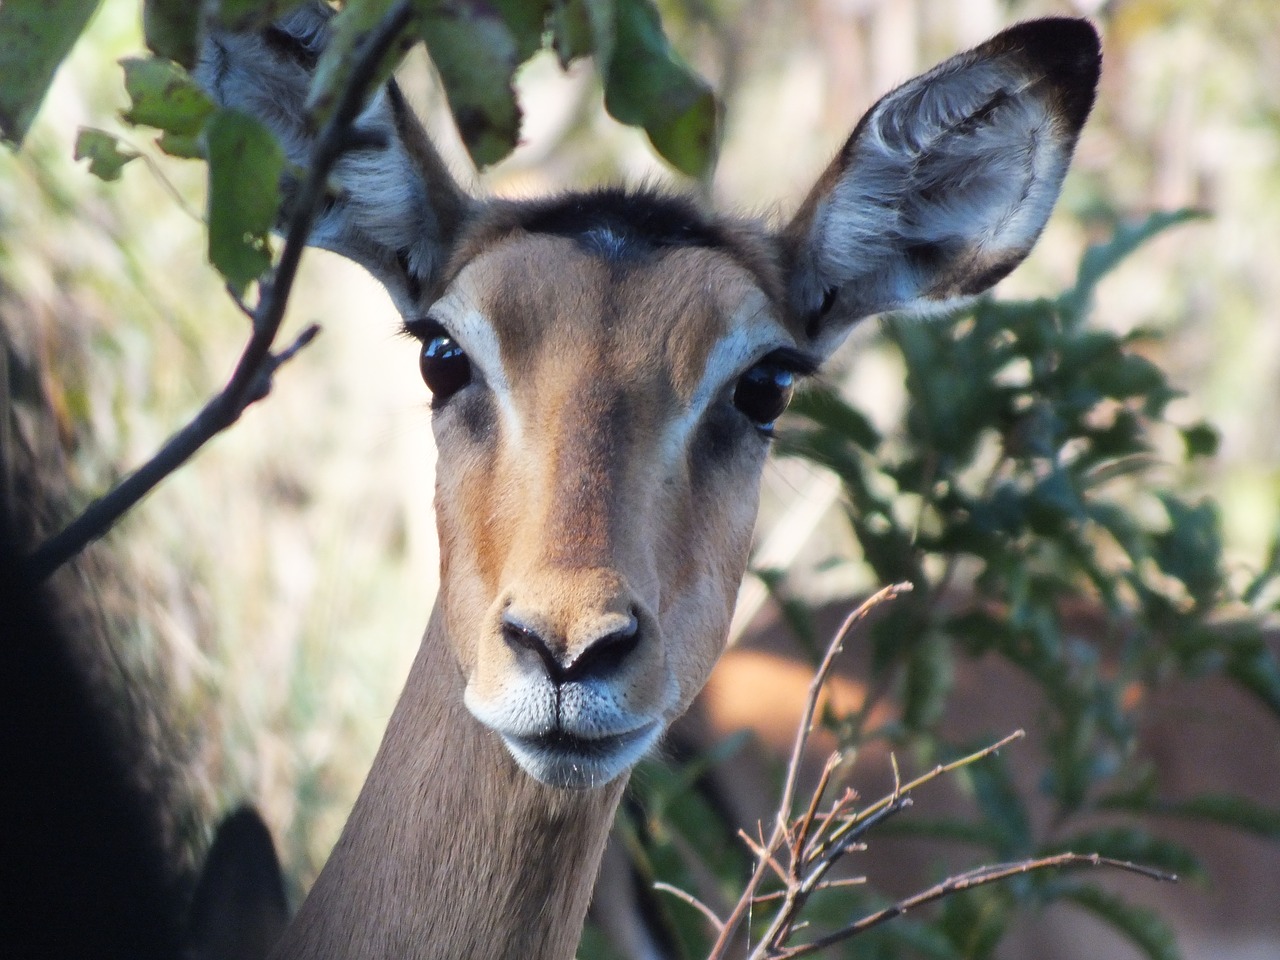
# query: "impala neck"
451,850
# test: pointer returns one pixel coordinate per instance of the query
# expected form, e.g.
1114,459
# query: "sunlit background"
278,585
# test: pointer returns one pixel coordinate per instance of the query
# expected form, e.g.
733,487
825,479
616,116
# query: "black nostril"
523,638
605,654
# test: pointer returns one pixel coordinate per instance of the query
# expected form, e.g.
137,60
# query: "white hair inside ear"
946,183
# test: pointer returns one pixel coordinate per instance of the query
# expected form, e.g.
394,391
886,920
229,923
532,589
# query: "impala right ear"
946,183
397,210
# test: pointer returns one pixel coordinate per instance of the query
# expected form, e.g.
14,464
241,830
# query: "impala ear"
946,183
396,209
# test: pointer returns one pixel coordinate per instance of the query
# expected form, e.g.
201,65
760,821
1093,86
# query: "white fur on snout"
591,710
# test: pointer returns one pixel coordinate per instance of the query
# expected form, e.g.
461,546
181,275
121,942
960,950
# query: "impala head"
606,368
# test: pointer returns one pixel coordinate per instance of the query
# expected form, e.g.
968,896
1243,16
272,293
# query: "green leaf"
1142,926
245,15
527,21
647,85
1257,670
346,33
476,56
245,163
1201,440
1227,809
930,672
975,920
172,28
825,407
35,37
1131,844
1000,804
583,27
164,96
1101,259
1127,375
103,152
1191,549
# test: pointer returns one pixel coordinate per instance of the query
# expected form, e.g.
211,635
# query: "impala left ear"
946,183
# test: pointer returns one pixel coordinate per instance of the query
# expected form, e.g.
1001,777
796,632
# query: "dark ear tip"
1068,51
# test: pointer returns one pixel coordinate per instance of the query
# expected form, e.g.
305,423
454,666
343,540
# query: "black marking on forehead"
617,224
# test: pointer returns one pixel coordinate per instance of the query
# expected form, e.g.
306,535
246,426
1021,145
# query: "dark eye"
763,392
445,367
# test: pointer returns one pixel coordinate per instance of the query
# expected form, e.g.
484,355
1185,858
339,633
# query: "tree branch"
251,379
965,881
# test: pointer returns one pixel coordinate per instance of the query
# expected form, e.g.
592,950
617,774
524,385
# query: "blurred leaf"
647,85
476,56
1224,808
1257,670
171,28
527,21
243,15
976,919
1191,549
1201,440
245,163
583,27
348,31
1127,375
929,675
1143,927
947,829
1134,845
35,37
103,152
1270,571
163,95
1101,259
1000,805
825,407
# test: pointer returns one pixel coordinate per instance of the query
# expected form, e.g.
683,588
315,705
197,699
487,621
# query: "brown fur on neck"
452,850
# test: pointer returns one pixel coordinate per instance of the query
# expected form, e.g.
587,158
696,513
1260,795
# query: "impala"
605,371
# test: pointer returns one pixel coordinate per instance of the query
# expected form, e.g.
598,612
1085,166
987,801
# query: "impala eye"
443,363
763,392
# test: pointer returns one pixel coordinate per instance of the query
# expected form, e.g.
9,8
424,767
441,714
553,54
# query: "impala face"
596,390
606,368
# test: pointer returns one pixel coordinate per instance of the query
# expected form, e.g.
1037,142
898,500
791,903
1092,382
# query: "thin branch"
939,770
692,901
245,385
965,881
764,854
806,822
819,681
781,831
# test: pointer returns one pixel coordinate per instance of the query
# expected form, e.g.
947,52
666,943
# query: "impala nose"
595,658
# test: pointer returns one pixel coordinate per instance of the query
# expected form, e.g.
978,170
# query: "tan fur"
597,483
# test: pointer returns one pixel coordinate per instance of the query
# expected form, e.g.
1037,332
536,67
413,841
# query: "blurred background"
276,587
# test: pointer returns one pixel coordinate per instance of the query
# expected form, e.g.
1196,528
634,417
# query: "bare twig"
900,791
782,835
819,681
257,361
693,901
965,881
814,841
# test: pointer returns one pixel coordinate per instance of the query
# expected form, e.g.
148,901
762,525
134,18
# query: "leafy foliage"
1034,475
477,49
35,36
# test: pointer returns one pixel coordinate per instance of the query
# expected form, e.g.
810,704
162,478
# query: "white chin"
574,763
